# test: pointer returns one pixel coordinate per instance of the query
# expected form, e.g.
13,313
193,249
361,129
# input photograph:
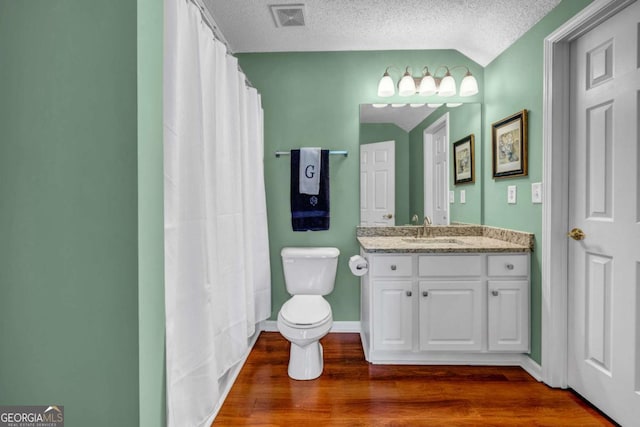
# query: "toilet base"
305,363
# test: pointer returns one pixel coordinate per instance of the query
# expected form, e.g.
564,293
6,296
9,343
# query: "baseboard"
532,367
339,326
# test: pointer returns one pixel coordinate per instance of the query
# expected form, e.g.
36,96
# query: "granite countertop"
443,239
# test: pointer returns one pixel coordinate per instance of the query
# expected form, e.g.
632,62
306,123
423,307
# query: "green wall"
69,272
513,82
312,99
378,132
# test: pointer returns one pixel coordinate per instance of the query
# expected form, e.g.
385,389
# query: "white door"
436,172
378,184
604,267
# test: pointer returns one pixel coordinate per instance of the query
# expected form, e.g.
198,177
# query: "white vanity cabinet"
440,308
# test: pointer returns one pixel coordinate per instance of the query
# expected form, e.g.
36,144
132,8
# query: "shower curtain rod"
217,34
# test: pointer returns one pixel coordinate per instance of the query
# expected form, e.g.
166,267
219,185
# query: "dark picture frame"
509,146
464,161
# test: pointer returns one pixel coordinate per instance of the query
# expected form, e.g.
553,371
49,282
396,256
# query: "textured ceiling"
479,29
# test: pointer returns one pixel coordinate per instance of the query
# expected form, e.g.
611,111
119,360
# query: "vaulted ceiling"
479,29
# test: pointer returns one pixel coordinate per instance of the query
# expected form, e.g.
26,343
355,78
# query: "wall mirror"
406,164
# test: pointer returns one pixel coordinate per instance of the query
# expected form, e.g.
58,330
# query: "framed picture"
509,146
463,164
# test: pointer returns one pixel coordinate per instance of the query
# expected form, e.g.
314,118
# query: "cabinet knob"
409,293
393,267
425,293
509,266
494,293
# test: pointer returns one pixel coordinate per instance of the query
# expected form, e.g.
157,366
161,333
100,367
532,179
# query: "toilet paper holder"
358,265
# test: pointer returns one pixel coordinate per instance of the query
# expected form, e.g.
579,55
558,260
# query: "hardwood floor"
352,392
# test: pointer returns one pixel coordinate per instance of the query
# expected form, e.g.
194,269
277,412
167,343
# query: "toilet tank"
309,271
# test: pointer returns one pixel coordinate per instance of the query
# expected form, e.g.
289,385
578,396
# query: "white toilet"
309,273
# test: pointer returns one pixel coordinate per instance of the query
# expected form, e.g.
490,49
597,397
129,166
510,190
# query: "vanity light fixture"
428,84
406,86
386,87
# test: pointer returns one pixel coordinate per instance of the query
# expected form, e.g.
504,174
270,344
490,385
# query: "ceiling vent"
288,15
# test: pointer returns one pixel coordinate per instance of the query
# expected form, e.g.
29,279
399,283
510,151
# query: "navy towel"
309,213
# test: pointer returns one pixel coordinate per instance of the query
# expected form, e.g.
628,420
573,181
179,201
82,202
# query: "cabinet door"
392,315
451,315
509,315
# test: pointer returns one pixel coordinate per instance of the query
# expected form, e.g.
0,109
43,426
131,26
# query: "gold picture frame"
463,161
509,146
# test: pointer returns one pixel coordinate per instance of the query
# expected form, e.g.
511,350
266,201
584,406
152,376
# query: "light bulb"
386,87
469,85
447,86
427,86
407,85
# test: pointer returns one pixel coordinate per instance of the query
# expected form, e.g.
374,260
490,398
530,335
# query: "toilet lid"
306,310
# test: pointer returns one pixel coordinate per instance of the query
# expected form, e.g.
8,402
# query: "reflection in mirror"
417,189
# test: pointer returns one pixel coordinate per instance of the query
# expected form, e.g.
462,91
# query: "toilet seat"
305,311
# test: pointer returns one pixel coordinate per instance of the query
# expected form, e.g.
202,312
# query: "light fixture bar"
428,84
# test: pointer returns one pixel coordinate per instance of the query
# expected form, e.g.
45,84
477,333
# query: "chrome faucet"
422,232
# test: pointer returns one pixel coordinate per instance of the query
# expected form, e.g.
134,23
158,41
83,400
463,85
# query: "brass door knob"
387,216
576,234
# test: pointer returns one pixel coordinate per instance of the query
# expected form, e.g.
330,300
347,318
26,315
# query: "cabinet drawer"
508,265
392,266
450,265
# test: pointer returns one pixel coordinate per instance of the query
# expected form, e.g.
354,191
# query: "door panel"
451,315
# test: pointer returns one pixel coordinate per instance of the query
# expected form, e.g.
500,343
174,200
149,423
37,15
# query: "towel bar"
341,152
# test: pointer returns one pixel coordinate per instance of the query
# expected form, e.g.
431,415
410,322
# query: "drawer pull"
509,266
494,293
393,267
409,293
425,293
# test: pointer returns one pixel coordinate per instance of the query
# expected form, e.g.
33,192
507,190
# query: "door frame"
427,148
555,208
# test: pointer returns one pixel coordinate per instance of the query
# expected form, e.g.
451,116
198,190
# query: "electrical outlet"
452,197
536,192
512,191
463,196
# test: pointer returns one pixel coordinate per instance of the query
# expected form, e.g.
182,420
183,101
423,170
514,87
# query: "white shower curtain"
217,284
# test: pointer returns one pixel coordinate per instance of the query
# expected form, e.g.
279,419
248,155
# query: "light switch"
512,191
536,192
463,196
452,197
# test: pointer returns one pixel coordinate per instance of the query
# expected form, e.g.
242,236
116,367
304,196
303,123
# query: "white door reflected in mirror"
436,171
377,184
